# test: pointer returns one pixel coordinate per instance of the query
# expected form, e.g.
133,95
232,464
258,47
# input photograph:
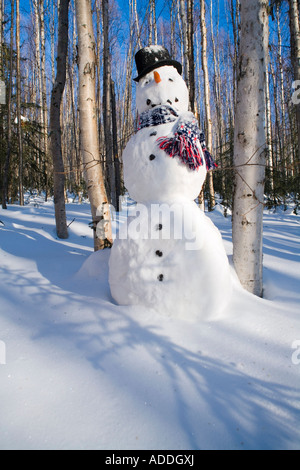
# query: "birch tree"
107,114
38,80
295,55
269,131
55,121
191,58
234,13
89,143
19,116
152,23
44,93
185,42
136,24
9,106
250,146
208,121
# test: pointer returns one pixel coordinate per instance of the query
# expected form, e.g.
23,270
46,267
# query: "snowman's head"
162,86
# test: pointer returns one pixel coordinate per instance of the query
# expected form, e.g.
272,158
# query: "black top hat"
152,57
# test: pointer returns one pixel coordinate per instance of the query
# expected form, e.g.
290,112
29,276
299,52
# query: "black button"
159,253
160,277
152,157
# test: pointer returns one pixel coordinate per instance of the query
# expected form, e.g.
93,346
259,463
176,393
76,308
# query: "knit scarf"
185,139
156,116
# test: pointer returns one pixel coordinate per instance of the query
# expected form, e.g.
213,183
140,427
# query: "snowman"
168,256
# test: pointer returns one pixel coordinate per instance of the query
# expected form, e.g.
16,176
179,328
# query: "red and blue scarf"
186,139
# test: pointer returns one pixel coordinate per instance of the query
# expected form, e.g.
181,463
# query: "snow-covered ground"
83,373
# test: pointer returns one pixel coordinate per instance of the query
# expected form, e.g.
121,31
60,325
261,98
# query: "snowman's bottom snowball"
176,277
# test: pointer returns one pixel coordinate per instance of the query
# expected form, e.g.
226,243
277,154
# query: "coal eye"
171,80
148,102
176,100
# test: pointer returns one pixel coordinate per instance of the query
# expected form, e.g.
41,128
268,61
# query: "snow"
154,49
182,264
84,373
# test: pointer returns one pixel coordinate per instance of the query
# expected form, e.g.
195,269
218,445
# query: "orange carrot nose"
157,77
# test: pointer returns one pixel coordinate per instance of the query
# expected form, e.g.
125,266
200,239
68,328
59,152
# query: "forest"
196,33
161,341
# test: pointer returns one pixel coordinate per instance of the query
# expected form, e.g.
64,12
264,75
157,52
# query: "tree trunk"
1,38
250,146
278,141
19,116
184,40
38,86
9,101
234,12
191,58
150,41
55,121
115,146
89,143
99,73
52,34
154,21
136,24
285,157
44,96
295,55
2,96
217,81
208,121
269,131
172,32
127,127
107,114
73,74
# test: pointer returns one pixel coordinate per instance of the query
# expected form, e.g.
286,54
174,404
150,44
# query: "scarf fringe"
187,141
209,160
184,147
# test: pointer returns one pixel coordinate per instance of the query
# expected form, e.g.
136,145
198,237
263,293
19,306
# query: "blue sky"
161,6
162,10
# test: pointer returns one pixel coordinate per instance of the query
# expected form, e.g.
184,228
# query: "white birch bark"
180,31
295,53
150,22
44,93
20,143
285,157
154,21
183,17
207,99
137,25
38,80
250,146
269,130
89,143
